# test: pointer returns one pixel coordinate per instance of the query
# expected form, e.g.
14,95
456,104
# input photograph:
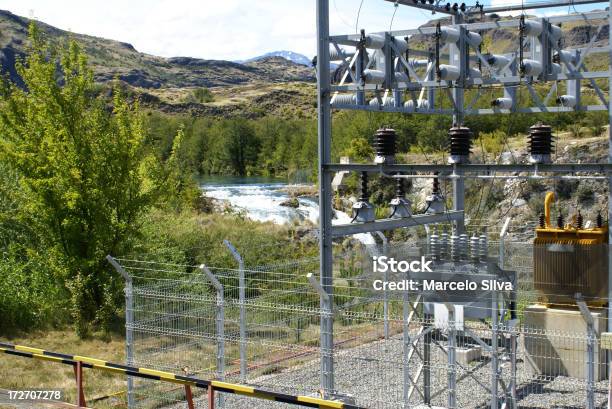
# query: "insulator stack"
365,195
475,248
542,221
444,244
599,220
455,246
434,245
436,187
400,191
363,210
463,246
384,145
579,220
460,140
540,143
560,223
484,246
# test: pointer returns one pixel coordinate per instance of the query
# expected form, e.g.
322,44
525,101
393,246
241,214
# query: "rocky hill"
111,59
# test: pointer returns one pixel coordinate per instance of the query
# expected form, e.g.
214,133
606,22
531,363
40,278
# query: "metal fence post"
406,350
385,291
591,339
220,320
129,325
241,302
452,369
494,345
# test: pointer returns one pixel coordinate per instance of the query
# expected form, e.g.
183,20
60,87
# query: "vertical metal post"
610,187
129,325
220,321
78,374
406,350
242,306
459,55
189,397
211,397
494,345
427,360
325,197
513,333
452,360
591,340
385,291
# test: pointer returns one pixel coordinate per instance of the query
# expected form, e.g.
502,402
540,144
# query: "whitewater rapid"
261,200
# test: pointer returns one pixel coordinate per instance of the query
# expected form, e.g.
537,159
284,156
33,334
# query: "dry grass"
24,373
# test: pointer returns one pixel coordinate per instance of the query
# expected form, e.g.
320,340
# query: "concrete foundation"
556,342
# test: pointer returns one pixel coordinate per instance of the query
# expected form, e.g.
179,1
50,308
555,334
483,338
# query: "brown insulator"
599,220
579,220
542,220
560,221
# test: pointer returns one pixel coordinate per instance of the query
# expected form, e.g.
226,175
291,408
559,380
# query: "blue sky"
221,29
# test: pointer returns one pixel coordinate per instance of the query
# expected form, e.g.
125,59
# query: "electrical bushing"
385,145
400,206
363,210
460,141
540,143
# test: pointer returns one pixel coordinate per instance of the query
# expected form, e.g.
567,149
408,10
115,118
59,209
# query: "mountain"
287,55
111,59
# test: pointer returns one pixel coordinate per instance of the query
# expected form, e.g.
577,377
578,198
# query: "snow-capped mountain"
288,55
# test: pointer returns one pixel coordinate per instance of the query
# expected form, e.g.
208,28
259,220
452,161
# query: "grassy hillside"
110,59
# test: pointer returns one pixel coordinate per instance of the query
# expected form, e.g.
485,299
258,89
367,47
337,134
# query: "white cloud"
222,29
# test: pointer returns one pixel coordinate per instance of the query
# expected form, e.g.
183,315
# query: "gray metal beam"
390,224
532,6
473,168
429,7
352,39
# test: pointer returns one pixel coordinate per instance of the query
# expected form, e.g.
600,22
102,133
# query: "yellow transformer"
569,260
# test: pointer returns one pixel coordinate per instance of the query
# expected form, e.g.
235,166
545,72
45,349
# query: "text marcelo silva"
436,285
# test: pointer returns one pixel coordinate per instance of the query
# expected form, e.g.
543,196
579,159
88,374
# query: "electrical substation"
317,327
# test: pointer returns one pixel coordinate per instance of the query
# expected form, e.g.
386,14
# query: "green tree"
242,146
85,169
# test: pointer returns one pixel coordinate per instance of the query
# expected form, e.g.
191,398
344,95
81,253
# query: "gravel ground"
372,374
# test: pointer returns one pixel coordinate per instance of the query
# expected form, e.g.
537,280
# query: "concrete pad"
556,342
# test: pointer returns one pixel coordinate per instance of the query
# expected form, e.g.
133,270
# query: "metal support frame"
506,80
129,325
242,306
220,321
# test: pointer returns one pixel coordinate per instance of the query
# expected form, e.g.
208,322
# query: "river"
260,198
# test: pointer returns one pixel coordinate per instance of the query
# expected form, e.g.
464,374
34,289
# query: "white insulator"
475,73
532,28
373,76
401,45
498,61
421,104
434,246
555,33
390,101
444,244
401,77
455,247
463,246
449,35
345,99
567,57
473,39
484,247
334,55
555,68
375,41
449,72
475,248
532,68
567,101
502,103
418,63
